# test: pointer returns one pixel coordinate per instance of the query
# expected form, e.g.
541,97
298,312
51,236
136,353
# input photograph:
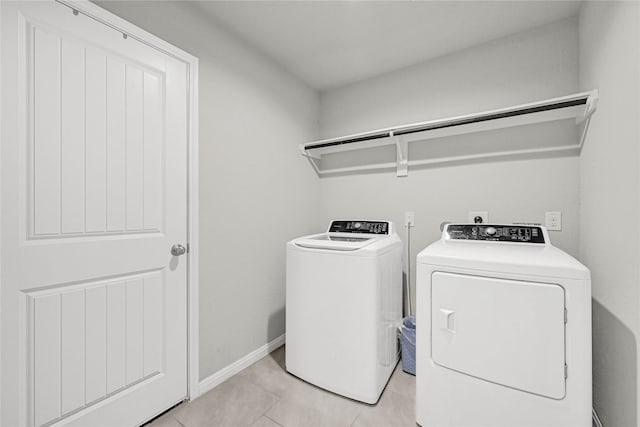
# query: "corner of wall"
609,60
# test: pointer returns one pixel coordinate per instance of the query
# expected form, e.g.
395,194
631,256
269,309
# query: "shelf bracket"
592,103
590,107
402,155
314,160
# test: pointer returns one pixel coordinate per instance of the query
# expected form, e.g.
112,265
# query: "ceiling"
329,44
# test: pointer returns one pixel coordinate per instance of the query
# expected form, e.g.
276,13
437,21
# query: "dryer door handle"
448,320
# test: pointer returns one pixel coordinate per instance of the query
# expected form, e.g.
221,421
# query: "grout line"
277,400
269,418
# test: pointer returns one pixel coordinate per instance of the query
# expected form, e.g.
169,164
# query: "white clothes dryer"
343,307
503,330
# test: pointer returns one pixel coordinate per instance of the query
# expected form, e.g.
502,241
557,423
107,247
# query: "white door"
94,143
509,332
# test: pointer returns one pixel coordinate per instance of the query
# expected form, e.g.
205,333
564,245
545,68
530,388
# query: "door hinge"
566,371
566,316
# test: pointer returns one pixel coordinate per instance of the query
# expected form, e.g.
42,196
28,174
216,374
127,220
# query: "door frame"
107,18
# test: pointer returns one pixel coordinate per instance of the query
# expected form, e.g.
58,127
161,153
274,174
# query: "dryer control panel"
495,233
369,227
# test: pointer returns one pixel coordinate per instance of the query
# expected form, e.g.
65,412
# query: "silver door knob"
177,250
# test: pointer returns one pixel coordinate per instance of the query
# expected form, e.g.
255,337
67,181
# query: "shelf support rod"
314,160
402,155
583,135
590,108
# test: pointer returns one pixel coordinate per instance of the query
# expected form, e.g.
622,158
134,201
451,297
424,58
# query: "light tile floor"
265,395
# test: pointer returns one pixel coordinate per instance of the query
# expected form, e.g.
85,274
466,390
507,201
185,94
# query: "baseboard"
227,372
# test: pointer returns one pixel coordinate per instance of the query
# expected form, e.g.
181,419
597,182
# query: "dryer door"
507,332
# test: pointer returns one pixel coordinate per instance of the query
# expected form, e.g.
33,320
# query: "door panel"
72,350
112,176
508,332
71,65
94,142
116,145
46,355
96,342
93,339
46,137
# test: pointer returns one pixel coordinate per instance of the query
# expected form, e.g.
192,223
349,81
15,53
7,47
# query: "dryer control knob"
491,231
357,225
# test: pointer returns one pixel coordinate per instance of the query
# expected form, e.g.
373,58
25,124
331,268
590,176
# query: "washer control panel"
369,227
495,233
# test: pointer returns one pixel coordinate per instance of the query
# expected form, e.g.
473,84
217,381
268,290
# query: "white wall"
535,65
525,67
609,198
256,191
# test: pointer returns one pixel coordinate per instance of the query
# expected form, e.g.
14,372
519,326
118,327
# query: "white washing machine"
343,307
503,330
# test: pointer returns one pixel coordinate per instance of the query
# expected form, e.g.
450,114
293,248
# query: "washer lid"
336,241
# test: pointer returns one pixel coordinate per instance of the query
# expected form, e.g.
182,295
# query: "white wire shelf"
557,125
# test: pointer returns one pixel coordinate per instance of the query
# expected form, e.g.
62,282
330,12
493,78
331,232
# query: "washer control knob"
491,231
357,225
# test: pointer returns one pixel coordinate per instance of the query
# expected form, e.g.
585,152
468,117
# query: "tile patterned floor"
265,395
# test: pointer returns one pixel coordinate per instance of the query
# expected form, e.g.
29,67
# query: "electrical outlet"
478,217
409,219
553,221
